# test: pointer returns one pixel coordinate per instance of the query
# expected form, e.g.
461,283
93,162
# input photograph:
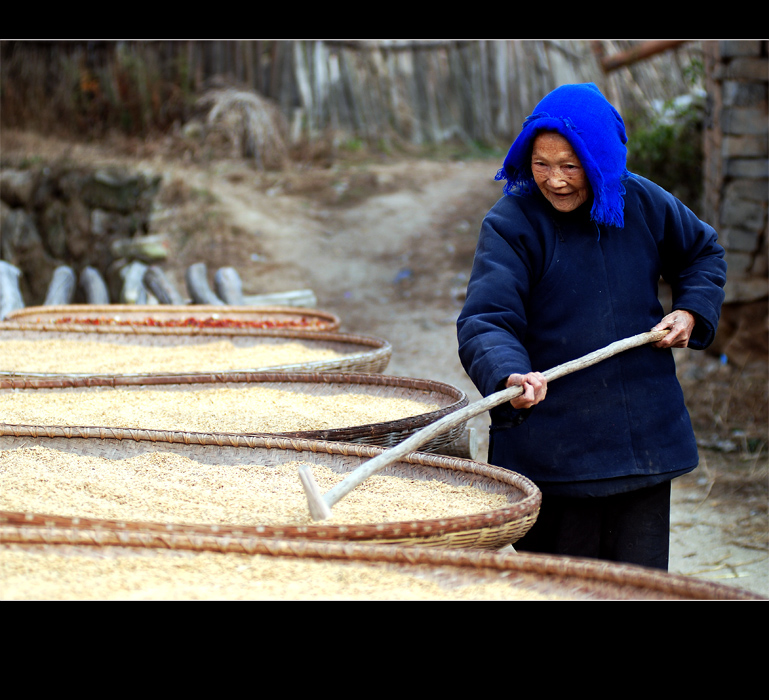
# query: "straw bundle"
253,125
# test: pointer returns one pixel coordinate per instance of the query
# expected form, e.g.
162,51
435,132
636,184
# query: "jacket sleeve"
492,324
694,266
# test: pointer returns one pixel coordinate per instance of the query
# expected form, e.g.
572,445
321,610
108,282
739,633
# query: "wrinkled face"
558,172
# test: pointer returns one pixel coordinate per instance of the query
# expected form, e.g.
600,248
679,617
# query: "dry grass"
728,403
730,413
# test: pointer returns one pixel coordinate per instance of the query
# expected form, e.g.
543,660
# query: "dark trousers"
633,527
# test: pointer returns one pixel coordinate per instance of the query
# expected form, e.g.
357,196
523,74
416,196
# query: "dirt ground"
387,245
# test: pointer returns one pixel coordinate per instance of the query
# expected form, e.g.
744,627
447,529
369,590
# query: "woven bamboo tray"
358,353
334,571
199,319
321,384
489,530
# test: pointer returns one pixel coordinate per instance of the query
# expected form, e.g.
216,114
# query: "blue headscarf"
596,132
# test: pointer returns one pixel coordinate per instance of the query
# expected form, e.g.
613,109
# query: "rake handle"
320,506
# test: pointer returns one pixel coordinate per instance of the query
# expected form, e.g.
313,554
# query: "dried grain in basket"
493,529
103,564
350,352
305,385
159,318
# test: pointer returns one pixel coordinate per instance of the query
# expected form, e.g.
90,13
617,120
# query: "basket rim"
378,351
585,570
341,337
373,430
530,501
173,308
19,318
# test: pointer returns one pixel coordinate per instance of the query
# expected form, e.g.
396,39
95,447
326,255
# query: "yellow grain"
167,487
106,574
102,357
221,409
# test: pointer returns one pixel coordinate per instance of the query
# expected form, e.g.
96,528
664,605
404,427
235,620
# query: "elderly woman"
567,262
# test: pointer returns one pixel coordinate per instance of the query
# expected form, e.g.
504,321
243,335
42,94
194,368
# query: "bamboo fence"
376,90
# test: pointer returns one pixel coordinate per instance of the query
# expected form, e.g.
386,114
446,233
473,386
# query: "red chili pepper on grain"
192,322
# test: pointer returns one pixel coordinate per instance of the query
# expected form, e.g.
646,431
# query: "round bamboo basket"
195,319
357,353
332,570
322,385
488,530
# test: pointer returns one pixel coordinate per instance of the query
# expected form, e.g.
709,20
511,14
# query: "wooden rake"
320,504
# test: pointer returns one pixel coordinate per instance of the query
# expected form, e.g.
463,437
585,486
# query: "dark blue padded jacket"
548,287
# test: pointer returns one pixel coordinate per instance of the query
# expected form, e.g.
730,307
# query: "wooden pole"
454,419
639,53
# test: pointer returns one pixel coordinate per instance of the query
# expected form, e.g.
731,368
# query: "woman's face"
558,172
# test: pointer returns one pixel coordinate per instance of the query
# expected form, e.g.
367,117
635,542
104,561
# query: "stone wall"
53,216
737,187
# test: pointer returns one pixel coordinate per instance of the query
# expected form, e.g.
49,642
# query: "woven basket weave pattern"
494,529
565,578
385,434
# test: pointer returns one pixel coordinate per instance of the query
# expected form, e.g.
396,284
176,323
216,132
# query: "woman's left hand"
681,325
534,387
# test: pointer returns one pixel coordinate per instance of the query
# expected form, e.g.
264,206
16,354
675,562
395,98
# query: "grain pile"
167,487
221,409
160,575
100,357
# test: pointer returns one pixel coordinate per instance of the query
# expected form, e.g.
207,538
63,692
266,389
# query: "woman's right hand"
534,389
